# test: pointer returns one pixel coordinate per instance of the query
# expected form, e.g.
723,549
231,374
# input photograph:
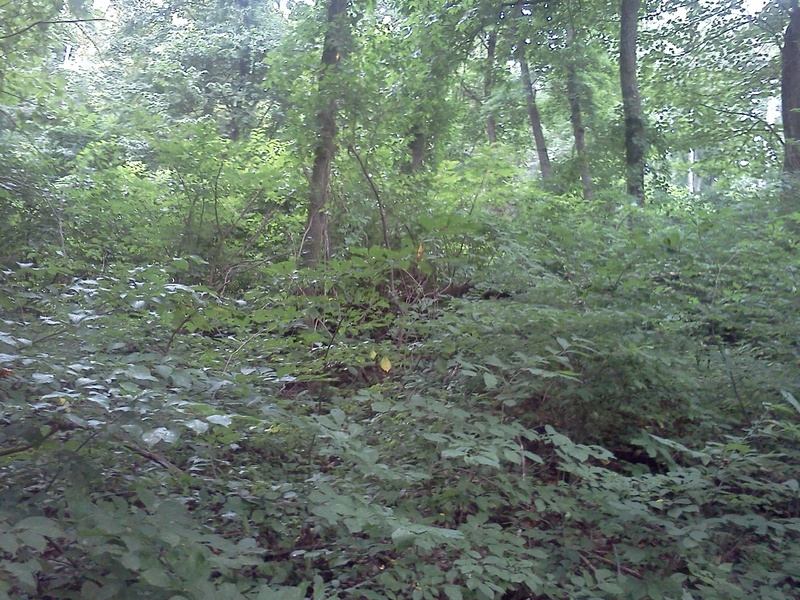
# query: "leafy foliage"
372,440
492,390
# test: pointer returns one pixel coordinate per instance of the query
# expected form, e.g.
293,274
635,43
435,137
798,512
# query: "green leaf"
453,592
24,572
224,420
158,578
493,361
160,434
791,400
282,592
453,452
8,543
139,373
40,525
403,537
489,380
33,539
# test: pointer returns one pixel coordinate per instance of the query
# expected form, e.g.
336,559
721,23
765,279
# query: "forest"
399,299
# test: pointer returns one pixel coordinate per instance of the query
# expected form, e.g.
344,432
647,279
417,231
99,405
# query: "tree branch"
756,118
32,25
375,193
54,427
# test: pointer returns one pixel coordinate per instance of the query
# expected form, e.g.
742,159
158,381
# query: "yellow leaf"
420,250
373,355
386,365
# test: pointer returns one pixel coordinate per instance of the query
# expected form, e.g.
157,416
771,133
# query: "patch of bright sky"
754,6
751,6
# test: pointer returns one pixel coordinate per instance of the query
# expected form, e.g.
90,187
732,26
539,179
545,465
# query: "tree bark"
579,131
315,247
488,84
418,145
635,141
533,114
790,109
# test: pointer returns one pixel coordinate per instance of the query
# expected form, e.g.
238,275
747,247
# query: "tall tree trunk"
790,109
579,131
635,142
488,84
315,247
533,113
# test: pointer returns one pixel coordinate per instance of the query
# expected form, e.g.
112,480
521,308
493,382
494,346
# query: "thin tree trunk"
315,247
579,131
533,114
488,84
417,145
790,109
635,142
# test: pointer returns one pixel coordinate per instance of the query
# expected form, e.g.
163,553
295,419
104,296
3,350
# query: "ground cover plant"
584,437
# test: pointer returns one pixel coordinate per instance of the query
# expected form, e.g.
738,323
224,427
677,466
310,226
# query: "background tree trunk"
417,146
315,247
635,142
578,131
488,84
533,114
790,109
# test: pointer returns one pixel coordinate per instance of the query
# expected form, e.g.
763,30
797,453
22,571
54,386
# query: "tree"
315,246
635,142
32,106
198,59
576,118
790,103
533,112
488,84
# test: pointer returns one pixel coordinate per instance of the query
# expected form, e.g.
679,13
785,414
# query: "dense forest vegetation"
408,299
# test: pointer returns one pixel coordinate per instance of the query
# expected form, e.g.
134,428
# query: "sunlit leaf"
160,434
224,420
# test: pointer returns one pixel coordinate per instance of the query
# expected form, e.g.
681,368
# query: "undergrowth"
563,403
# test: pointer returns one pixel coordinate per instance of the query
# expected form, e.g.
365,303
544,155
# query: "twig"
54,427
242,345
186,319
153,457
620,568
371,183
32,25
